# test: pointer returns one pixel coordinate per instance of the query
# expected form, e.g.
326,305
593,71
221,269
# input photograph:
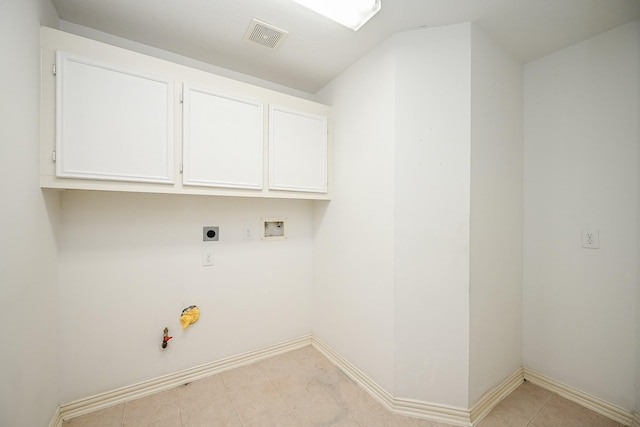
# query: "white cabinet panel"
297,150
111,123
223,140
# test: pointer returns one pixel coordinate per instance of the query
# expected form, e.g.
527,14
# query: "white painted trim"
413,408
596,404
56,421
370,386
458,416
490,399
115,397
432,411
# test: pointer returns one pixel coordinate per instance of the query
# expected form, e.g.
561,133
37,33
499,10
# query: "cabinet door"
223,140
112,123
297,151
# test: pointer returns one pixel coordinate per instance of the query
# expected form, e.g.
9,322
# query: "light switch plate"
207,256
247,232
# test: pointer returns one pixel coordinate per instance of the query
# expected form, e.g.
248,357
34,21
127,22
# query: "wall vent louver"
265,34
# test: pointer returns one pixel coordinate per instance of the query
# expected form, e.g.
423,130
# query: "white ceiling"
317,50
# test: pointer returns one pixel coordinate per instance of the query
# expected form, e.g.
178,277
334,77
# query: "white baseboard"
596,404
56,421
432,411
111,398
419,409
377,392
494,396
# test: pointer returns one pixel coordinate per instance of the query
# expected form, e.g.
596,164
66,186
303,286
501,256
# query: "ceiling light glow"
350,13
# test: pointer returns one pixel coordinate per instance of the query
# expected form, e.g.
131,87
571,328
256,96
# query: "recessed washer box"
273,229
210,234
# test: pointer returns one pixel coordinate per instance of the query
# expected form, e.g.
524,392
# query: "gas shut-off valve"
166,338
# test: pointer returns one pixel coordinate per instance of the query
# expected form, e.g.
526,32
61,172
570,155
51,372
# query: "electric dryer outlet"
210,234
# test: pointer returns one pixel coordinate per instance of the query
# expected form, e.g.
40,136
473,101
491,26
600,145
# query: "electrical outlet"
210,234
590,238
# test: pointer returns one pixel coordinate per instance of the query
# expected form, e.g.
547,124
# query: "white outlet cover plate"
248,232
207,256
590,238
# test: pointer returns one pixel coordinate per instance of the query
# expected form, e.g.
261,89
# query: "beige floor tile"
535,391
560,412
376,415
302,388
295,384
200,393
524,402
280,365
147,410
266,411
318,366
501,416
348,423
517,409
326,373
170,421
109,417
313,406
350,396
246,393
379,416
400,420
307,355
244,376
219,412
241,394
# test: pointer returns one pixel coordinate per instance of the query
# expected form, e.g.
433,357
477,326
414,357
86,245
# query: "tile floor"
302,388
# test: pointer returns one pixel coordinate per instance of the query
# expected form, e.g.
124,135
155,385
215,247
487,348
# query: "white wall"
90,33
581,171
129,264
393,246
495,310
432,162
28,222
354,244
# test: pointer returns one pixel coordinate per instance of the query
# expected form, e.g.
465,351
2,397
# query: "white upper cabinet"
112,124
117,120
223,140
297,150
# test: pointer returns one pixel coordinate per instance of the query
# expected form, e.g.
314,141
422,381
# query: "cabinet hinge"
53,69
53,156
182,98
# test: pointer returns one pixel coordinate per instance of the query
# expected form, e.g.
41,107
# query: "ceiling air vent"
265,34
